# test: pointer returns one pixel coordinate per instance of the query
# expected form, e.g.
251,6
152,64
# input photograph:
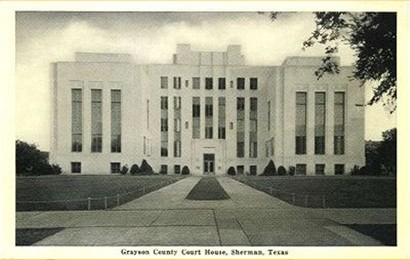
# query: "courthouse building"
206,110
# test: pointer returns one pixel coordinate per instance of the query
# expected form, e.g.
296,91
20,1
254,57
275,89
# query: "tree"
269,170
373,38
32,161
135,169
231,171
387,150
282,171
146,168
185,170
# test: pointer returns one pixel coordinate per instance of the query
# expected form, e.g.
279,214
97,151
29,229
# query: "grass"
208,188
29,236
56,190
339,192
385,233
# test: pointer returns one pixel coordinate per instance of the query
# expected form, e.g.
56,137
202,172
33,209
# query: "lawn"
208,188
69,192
328,191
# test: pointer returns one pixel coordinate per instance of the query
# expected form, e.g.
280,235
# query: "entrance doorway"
209,164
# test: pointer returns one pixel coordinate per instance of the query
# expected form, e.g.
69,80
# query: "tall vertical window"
269,112
177,82
115,121
77,119
253,128
221,118
209,118
196,117
196,82
147,113
253,82
300,130
96,120
208,83
221,83
177,126
240,83
320,122
240,127
339,127
164,126
164,82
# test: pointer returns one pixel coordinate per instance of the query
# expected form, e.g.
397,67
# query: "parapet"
186,56
307,61
102,57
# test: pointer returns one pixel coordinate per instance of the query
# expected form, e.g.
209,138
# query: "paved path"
166,218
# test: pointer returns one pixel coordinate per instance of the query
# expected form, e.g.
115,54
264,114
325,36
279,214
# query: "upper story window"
208,83
240,83
177,82
253,83
221,83
196,82
164,82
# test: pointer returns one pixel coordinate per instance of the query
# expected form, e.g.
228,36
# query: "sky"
151,37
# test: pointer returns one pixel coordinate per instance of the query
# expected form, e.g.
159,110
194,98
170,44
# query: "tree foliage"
269,170
185,170
381,156
32,161
371,35
135,169
146,168
231,171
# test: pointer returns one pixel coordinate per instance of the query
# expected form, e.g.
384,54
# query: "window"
196,82
269,112
76,118
164,169
339,114
240,150
208,83
240,127
164,126
320,118
240,83
339,169
177,82
177,148
320,169
115,121
209,120
253,128
177,169
253,83
300,123
208,132
177,125
253,170
221,83
164,103
115,167
147,114
96,120
75,167
301,169
186,83
196,120
164,82
231,83
177,102
164,148
221,118
240,169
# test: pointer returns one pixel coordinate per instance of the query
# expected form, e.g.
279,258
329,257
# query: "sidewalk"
164,218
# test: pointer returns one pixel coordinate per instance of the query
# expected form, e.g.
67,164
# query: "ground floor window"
115,167
164,169
339,169
177,169
253,170
301,169
240,169
75,167
320,169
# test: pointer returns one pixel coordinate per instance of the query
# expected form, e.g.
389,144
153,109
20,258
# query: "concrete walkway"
166,218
